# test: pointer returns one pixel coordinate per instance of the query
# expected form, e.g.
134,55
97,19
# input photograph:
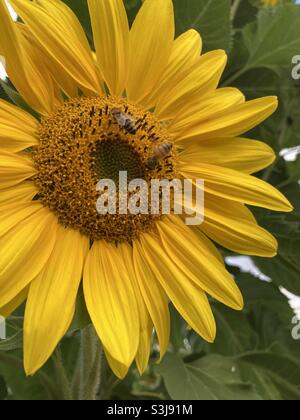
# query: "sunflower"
131,266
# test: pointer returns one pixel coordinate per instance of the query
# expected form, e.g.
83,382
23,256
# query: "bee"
159,153
124,120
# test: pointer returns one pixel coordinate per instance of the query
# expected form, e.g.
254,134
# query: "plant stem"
62,378
285,183
234,8
268,172
88,375
234,76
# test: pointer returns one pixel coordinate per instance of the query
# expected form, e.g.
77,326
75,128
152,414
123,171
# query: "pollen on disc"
81,143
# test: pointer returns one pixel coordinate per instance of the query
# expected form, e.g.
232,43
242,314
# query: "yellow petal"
191,255
111,37
25,191
10,307
151,39
154,297
62,38
237,120
68,21
210,246
146,325
14,169
237,186
51,300
63,83
16,213
16,117
25,250
73,28
40,61
144,349
202,109
20,66
111,301
227,223
118,368
185,51
14,139
201,79
188,298
240,154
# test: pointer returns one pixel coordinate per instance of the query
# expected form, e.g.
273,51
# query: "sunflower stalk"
62,377
234,8
87,377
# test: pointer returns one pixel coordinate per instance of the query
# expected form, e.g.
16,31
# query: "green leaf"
283,128
3,95
246,13
258,82
271,42
12,343
259,294
81,318
294,170
178,329
132,7
234,332
292,192
283,270
131,4
69,347
275,40
263,384
24,388
80,8
251,376
281,370
14,96
212,377
211,18
286,227
3,389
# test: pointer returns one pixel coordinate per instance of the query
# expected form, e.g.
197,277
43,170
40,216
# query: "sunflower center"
90,139
114,155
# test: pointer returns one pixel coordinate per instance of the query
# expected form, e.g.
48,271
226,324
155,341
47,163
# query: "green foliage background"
254,356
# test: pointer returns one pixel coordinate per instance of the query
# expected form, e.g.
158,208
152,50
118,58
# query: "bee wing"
122,120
